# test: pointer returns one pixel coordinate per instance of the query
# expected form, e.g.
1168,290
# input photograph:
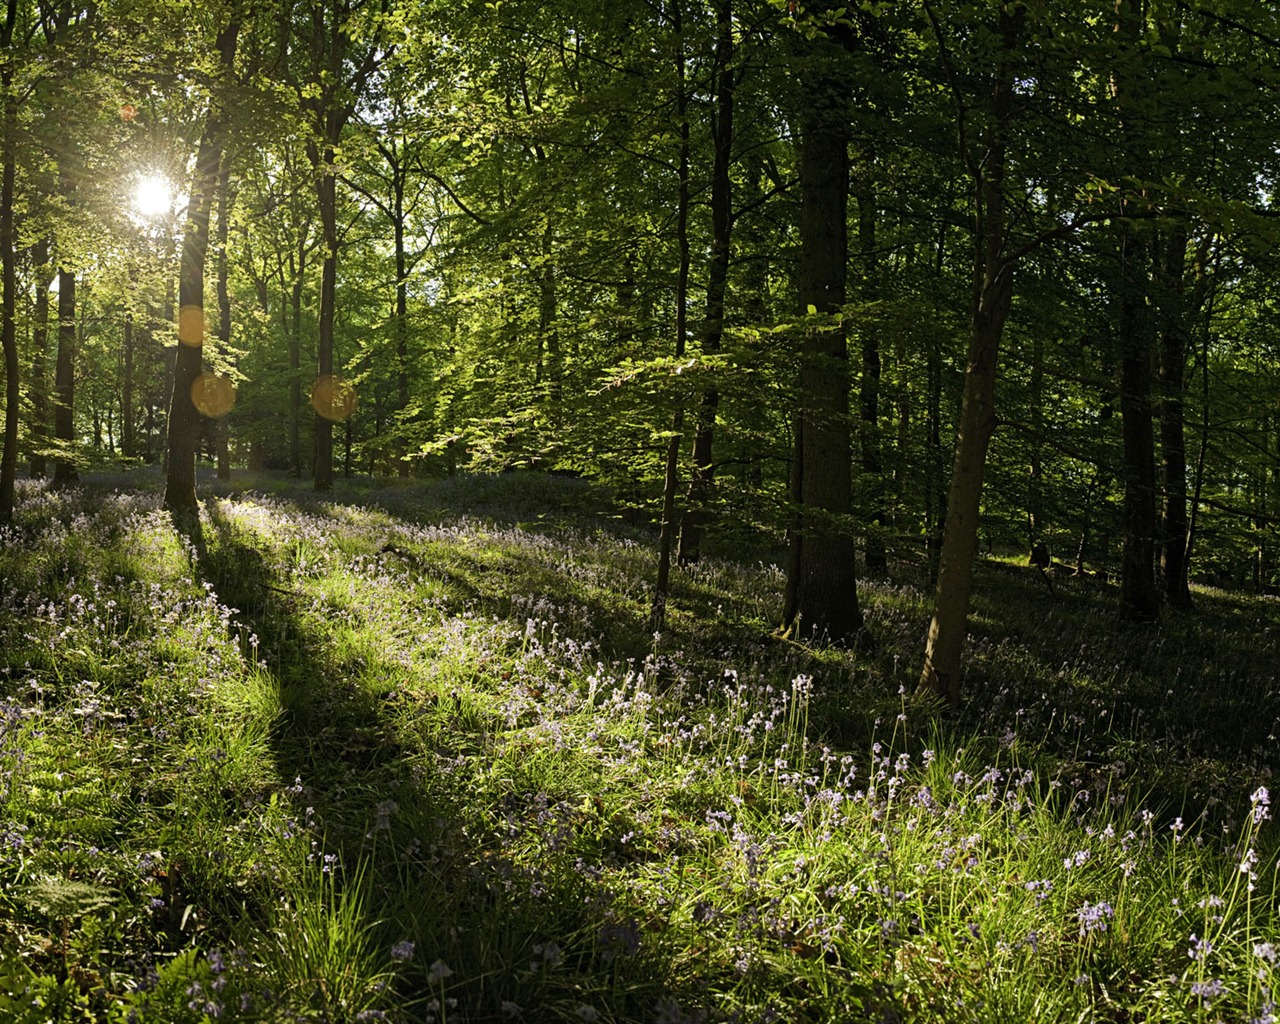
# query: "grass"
409,753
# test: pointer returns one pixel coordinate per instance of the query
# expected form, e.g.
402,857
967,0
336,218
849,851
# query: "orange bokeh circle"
333,398
191,326
213,394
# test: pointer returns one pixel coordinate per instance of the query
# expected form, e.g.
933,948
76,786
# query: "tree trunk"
127,440
326,193
1139,595
822,588
184,419
1173,445
294,331
1206,291
1037,550
992,298
8,269
935,515
401,326
869,396
671,478
693,523
64,469
1139,592
222,427
39,358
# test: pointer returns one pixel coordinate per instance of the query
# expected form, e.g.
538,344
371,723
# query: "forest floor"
410,753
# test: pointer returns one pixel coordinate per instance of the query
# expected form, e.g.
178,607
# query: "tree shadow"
379,764
1184,710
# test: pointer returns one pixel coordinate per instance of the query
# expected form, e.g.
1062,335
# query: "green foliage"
413,750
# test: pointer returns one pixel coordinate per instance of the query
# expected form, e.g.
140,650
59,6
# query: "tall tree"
184,418
669,524
993,269
869,433
702,475
64,432
821,596
8,261
1139,594
345,51
39,356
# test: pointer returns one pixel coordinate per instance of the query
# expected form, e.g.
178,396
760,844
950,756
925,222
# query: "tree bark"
1037,550
39,357
671,476
552,389
992,297
222,428
326,193
1139,595
869,392
184,418
935,515
294,331
127,439
8,268
399,172
822,598
1173,444
1139,592
64,468
702,475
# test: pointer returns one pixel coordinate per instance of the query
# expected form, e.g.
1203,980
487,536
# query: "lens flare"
213,394
333,398
191,326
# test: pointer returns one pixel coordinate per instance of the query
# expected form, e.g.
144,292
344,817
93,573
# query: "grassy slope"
410,754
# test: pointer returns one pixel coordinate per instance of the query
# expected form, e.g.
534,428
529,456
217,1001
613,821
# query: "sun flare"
153,196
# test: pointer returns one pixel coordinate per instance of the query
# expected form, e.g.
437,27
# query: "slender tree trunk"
401,327
294,331
935,457
548,328
992,298
64,468
327,195
693,523
184,419
225,200
671,476
1204,286
128,444
338,78
39,358
822,590
8,268
1038,552
1139,594
869,397
1173,445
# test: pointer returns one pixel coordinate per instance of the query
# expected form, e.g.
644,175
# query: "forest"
659,510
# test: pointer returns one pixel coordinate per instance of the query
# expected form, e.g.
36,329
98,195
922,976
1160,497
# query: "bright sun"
152,196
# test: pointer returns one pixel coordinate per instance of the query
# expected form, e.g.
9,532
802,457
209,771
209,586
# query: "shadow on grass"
377,767
1187,710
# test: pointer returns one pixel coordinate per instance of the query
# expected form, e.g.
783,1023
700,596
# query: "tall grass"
411,754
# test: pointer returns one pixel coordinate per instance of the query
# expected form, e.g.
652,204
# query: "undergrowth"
410,754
